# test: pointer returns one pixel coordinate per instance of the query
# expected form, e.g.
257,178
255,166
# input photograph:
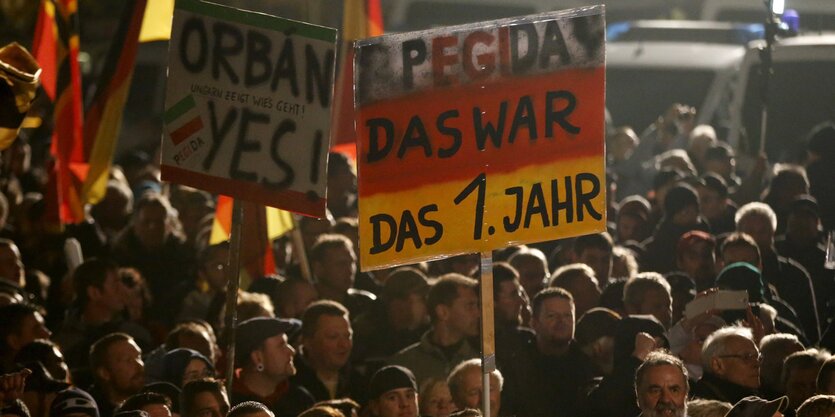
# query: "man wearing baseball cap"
757,407
393,393
73,402
264,360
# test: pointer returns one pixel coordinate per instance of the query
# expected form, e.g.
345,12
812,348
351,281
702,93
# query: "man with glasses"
731,363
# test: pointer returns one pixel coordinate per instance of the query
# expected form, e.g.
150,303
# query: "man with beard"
118,369
661,385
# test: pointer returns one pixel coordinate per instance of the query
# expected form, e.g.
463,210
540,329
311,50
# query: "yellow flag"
156,26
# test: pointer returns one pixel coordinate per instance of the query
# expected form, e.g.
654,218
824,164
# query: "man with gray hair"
649,293
731,364
465,386
789,278
661,386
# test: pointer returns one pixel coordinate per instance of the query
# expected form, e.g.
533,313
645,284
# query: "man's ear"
256,357
717,366
93,292
442,312
103,374
316,268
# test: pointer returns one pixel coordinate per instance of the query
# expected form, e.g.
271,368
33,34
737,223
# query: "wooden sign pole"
233,276
488,334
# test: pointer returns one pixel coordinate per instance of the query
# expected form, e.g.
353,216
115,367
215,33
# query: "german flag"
104,115
361,19
261,225
56,45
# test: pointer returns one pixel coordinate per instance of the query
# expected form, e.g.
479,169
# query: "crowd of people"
123,313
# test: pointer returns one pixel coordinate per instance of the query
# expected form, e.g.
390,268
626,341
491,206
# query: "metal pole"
488,334
233,276
766,68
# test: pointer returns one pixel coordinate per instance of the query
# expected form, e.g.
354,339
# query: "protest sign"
476,137
247,106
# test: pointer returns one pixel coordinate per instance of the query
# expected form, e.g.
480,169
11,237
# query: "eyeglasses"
748,357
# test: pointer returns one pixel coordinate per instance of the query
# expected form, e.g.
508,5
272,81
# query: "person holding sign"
454,315
531,387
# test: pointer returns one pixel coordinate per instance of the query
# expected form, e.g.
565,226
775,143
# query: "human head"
682,291
661,386
96,282
404,295
251,305
731,354
11,265
817,406
156,405
742,276
675,159
194,335
595,335
649,293
800,372
695,255
73,402
114,210
333,262
116,362
250,409
578,279
22,324
595,250
294,295
311,228
622,143
392,392
699,407
465,386
803,220
740,247
435,398
553,318
775,348
532,267
713,196
261,345
327,336
153,220
702,138
632,222
453,303
183,365
681,205
826,378
624,264
788,183
212,265
204,397
720,159
759,221
507,295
